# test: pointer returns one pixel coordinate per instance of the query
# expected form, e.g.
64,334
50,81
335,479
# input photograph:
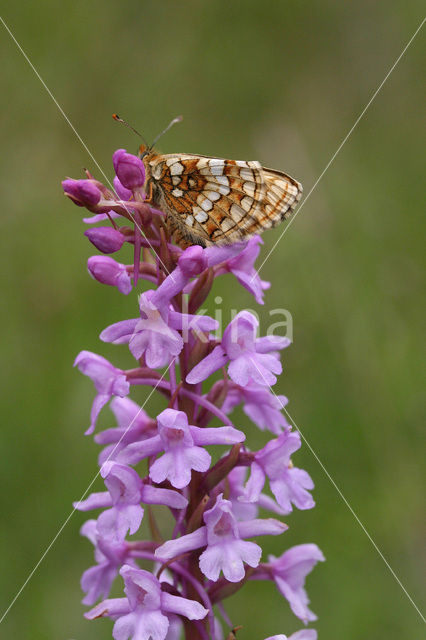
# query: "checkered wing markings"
224,196
282,193
222,201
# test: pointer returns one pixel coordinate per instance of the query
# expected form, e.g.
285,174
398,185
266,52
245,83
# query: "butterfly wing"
282,193
218,201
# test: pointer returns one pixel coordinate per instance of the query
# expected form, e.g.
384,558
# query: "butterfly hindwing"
282,193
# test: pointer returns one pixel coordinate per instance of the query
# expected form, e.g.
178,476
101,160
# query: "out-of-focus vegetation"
281,82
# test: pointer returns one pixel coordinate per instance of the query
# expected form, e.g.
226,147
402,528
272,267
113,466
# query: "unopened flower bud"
82,192
129,169
108,271
193,261
106,239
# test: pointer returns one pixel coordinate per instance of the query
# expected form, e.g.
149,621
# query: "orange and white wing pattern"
217,201
282,193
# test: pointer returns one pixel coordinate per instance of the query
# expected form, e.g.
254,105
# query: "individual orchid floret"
149,335
130,169
226,550
122,500
84,193
155,334
133,425
182,445
303,634
105,239
222,535
260,405
144,613
234,485
288,483
250,359
108,380
242,266
110,555
107,271
289,572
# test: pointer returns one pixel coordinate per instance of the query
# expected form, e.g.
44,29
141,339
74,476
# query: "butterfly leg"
149,192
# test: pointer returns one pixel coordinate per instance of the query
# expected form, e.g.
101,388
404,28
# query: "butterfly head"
145,149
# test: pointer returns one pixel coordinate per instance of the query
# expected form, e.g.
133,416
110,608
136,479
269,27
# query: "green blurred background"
281,82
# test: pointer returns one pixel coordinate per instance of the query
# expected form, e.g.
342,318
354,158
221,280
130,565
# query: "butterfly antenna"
118,119
169,126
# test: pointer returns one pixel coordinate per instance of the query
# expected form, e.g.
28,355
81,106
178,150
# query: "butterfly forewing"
218,201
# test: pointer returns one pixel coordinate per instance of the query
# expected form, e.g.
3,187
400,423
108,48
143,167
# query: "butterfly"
214,201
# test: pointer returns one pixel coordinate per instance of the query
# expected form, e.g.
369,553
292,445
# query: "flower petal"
137,451
115,523
237,552
266,344
191,609
211,363
188,542
304,634
119,332
212,561
254,484
168,497
98,403
100,500
112,607
261,527
217,435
